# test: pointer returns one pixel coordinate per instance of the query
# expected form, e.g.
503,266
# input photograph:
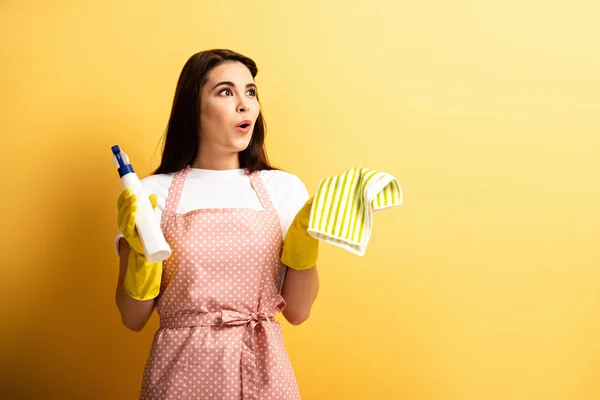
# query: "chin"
241,145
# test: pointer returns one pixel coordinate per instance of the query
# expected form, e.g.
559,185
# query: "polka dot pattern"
219,294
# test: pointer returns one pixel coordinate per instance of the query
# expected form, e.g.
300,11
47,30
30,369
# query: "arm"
300,289
134,313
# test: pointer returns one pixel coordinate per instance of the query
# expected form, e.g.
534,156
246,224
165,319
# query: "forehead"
235,72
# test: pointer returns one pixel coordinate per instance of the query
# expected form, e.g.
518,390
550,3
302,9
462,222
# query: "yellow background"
484,285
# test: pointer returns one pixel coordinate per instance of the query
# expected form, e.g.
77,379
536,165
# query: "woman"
225,212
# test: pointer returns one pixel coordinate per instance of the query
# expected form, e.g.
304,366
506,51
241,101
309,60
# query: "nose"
242,107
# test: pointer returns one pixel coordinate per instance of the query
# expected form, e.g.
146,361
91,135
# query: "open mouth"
244,126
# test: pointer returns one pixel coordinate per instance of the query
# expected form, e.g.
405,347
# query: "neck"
216,161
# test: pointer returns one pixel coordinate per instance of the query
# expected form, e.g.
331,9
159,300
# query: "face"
228,109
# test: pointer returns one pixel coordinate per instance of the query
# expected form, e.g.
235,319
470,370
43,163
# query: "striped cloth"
342,209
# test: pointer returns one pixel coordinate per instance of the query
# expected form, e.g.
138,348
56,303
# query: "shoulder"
288,193
158,184
283,182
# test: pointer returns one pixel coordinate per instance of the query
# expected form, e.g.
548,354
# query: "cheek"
256,110
213,113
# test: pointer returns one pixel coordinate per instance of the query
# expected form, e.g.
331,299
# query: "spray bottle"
156,247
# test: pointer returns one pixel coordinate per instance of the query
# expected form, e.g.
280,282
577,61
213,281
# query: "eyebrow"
229,83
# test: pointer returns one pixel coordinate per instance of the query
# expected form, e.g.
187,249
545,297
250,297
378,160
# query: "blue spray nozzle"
118,154
122,160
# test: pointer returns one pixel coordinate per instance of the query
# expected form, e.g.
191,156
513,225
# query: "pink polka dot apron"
218,339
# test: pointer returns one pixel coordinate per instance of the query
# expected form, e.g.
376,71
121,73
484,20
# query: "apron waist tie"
234,318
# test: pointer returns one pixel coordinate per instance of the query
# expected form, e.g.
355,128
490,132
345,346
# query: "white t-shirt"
230,189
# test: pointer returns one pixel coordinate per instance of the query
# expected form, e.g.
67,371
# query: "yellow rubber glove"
142,278
300,250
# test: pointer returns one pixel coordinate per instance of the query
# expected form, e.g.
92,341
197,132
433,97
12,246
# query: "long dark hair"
181,139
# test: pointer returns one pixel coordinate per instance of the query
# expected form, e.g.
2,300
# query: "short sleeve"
117,239
295,200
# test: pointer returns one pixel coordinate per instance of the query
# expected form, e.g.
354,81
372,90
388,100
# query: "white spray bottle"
156,247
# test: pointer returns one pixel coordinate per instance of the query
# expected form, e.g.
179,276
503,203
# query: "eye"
251,92
225,92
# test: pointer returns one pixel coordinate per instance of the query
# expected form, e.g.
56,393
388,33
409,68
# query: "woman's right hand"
127,206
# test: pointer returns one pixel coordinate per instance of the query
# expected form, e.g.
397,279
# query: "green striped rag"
342,209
